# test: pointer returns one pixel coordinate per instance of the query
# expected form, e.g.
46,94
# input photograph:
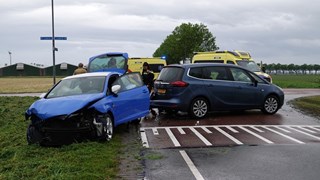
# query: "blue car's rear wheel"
199,108
270,105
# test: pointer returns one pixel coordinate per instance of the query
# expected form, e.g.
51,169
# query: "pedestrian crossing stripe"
254,130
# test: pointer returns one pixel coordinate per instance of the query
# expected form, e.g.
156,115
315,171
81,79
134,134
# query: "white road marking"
282,129
144,139
302,132
308,130
231,129
256,135
172,137
155,131
228,136
181,131
313,128
255,128
203,139
191,166
286,136
206,130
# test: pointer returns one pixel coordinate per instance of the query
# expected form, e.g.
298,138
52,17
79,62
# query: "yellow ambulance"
155,63
239,58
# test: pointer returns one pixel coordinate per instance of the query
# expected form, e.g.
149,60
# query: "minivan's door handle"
145,91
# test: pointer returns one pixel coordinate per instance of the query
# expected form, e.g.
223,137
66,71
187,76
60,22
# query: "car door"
246,94
132,100
221,90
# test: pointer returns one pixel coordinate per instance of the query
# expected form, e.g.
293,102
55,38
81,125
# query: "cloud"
272,31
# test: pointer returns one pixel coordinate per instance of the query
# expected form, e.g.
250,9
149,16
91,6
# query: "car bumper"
174,104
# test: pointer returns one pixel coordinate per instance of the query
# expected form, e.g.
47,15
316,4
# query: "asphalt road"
244,145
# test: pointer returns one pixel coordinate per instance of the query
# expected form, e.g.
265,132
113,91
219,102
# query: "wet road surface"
238,145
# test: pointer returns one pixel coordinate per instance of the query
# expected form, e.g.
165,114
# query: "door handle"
145,91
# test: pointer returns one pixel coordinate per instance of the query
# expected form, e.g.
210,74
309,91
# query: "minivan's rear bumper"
174,104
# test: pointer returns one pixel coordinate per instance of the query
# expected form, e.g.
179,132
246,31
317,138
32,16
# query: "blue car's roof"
91,74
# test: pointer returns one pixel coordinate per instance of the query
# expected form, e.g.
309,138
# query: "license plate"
161,91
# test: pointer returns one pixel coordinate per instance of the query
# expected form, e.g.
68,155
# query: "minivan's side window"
240,75
215,73
196,72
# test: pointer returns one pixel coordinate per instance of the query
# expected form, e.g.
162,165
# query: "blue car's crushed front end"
63,120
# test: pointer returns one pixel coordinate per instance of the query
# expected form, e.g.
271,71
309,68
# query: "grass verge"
309,105
297,81
25,84
89,160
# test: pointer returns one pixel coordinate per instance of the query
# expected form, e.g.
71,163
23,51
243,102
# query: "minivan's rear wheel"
199,108
107,122
270,105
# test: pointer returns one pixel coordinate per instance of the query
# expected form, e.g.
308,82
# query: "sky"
273,31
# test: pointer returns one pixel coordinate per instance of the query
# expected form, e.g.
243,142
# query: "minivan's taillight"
179,84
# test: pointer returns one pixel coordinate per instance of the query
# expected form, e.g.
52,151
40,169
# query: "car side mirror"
115,89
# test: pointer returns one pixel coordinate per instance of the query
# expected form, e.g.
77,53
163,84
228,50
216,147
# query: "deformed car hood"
47,108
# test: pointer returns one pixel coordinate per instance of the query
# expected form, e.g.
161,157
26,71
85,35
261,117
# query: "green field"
43,84
89,160
297,81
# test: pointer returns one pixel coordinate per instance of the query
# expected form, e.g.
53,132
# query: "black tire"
33,135
108,127
199,108
270,105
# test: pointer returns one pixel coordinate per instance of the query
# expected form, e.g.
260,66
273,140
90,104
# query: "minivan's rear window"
170,74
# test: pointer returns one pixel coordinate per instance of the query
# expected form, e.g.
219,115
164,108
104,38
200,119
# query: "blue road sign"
55,38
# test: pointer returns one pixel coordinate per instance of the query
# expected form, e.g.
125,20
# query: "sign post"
54,49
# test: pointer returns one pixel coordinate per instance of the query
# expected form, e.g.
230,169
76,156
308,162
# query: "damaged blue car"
87,107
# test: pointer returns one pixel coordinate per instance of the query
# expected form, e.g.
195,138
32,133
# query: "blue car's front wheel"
107,122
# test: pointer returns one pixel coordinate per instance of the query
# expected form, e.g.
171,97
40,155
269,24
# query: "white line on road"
314,128
305,129
282,129
155,131
316,137
231,129
181,131
255,128
228,136
286,136
203,139
173,138
256,135
191,166
206,130
144,139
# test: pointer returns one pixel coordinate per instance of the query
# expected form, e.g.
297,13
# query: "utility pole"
10,57
53,46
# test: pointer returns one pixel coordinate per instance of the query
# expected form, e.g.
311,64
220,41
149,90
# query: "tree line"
292,68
